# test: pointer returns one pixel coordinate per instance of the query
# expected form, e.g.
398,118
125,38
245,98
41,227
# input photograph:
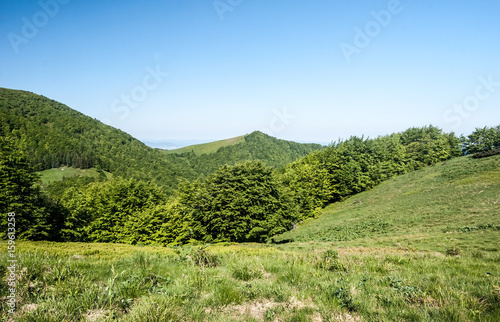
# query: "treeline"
52,134
249,201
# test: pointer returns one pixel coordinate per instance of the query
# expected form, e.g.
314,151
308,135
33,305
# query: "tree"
240,203
482,139
19,195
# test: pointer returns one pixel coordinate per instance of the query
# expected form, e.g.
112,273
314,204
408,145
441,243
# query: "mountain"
424,208
52,135
207,148
208,157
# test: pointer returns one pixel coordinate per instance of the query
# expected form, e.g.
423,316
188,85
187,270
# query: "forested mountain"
207,158
52,134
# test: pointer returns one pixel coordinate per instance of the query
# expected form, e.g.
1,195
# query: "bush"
203,258
330,261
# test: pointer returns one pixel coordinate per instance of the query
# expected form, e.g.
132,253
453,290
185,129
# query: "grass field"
424,246
57,174
207,148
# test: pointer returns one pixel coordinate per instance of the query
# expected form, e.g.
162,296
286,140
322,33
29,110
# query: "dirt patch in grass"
96,315
257,309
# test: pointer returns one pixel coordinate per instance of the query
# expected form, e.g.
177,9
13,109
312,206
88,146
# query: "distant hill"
206,158
434,206
207,148
52,134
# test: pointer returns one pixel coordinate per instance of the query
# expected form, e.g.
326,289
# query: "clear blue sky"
179,69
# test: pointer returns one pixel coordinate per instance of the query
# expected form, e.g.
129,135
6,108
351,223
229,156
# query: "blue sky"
310,71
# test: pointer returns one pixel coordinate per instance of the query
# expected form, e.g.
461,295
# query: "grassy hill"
53,135
206,158
207,148
437,208
61,173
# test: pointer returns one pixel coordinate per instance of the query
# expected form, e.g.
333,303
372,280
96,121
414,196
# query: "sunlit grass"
420,247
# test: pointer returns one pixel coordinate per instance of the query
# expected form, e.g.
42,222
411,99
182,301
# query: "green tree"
18,194
482,139
244,202
112,211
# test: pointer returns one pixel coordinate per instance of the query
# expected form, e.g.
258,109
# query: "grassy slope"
207,148
426,209
406,255
57,174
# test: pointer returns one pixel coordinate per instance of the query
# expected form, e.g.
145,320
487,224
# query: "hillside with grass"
207,148
439,207
207,158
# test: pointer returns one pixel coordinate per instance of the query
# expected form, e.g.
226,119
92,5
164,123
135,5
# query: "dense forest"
243,201
52,134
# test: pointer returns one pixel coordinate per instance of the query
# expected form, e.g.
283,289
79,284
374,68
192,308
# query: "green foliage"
482,140
207,148
19,195
111,211
355,165
488,153
245,202
52,135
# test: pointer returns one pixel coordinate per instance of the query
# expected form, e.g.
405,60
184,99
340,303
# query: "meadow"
300,282
423,246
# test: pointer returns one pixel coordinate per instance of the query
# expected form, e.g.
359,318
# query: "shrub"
330,261
203,258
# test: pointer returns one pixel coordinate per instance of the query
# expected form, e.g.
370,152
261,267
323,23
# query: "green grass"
207,148
250,283
435,208
424,246
57,174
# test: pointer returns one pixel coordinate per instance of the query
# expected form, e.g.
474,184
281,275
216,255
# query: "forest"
157,199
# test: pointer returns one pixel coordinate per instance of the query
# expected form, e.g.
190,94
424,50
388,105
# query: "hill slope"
52,134
435,207
207,148
207,158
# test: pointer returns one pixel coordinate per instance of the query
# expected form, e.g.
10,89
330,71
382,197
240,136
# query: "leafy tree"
244,202
111,211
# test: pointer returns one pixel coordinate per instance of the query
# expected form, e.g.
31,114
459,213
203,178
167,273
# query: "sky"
308,71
